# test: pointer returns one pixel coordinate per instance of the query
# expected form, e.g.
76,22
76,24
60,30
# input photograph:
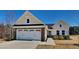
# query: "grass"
57,46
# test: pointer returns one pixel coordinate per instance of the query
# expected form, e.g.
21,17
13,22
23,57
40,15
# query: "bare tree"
10,17
1,31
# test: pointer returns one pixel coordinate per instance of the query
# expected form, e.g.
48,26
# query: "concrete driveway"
19,44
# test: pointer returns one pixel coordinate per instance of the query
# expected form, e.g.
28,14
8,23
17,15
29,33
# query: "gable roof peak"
27,14
62,22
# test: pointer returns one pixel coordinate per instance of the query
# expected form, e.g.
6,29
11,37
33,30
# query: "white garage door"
28,34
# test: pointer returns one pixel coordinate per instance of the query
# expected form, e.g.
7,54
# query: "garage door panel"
31,34
18,35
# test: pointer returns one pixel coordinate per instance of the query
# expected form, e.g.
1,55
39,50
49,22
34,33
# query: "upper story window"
27,20
60,25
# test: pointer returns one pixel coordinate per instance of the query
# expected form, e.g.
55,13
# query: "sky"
47,16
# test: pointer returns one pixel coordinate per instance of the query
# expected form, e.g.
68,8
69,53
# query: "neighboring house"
60,28
28,27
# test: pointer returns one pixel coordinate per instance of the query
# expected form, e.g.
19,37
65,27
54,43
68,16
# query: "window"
63,32
25,30
58,32
31,30
27,20
60,25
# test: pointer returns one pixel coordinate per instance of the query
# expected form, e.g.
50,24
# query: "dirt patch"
57,47
66,41
74,40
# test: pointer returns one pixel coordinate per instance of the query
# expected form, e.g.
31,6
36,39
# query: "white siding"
56,27
54,32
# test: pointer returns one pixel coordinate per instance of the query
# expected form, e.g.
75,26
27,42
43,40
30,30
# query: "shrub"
60,37
66,37
7,39
55,37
